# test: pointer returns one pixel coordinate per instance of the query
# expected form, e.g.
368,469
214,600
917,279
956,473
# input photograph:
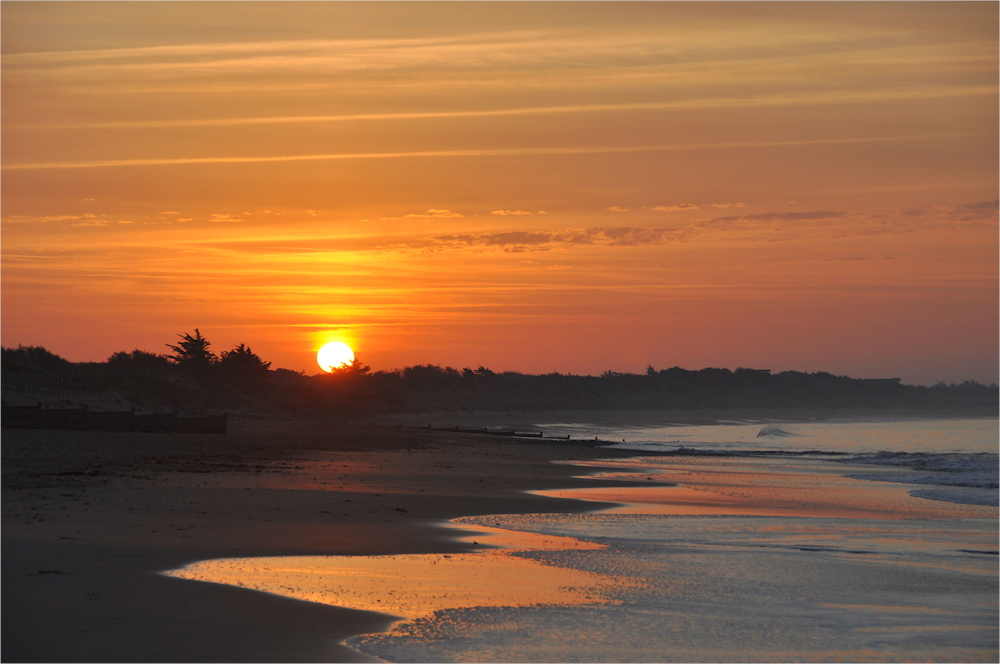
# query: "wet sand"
799,487
90,520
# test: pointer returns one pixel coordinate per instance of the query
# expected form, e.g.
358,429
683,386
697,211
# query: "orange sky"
531,187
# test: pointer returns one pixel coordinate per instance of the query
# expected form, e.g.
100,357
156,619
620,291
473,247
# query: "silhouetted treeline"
188,380
194,378
426,387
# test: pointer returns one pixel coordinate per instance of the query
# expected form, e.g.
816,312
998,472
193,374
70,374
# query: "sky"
534,187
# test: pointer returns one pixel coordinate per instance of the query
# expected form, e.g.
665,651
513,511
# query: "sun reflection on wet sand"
502,538
415,585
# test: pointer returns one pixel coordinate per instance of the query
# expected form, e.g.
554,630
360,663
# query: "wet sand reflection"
756,487
415,585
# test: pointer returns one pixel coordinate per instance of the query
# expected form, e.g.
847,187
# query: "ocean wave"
773,430
980,470
971,479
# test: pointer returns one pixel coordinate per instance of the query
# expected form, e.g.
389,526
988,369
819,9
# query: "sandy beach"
90,519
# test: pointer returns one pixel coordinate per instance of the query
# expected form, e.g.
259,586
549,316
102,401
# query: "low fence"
14,381
36,417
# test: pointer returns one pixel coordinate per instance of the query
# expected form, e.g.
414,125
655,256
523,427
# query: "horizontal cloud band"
773,100
488,152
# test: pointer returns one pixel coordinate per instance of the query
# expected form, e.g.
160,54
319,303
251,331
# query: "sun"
334,355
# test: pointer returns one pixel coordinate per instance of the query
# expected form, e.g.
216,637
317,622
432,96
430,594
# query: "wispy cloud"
507,213
433,213
747,226
783,216
43,219
694,103
540,49
986,211
674,208
521,241
224,218
363,53
495,152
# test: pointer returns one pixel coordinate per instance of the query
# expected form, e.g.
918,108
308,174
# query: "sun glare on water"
333,355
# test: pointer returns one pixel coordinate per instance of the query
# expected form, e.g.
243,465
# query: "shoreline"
91,519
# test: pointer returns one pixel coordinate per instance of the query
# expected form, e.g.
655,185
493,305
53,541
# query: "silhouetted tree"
354,368
243,364
192,354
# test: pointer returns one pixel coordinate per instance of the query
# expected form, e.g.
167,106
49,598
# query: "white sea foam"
977,470
971,478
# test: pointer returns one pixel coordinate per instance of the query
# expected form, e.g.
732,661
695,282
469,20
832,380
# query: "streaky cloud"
784,216
496,152
674,208
809,99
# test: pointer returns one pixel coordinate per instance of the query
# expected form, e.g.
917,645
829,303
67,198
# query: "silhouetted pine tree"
192,355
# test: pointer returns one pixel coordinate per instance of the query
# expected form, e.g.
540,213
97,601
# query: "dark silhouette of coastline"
196,381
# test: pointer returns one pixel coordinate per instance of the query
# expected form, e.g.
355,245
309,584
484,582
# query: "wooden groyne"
36,417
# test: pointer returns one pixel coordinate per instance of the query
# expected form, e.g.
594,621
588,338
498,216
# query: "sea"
853,436
747,542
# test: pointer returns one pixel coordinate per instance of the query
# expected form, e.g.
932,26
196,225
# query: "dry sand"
90,518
